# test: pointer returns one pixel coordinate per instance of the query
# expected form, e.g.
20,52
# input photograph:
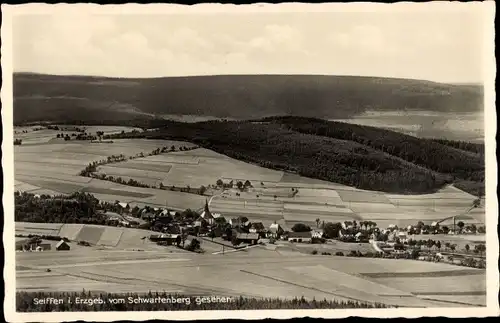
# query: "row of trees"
91,171
239,184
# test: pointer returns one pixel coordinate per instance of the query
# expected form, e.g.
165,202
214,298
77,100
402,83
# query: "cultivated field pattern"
121,260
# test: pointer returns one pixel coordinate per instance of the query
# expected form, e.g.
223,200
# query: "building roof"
61,243
258,226
123,204
247,236
300,234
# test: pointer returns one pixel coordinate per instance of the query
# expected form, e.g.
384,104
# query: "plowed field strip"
447,273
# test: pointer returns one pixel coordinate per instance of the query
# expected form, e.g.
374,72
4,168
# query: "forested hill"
59,98
363,157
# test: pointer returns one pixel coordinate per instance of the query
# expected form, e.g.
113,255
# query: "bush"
339,253
326,254
314,252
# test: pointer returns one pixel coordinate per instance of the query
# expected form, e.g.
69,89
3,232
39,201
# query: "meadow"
255,272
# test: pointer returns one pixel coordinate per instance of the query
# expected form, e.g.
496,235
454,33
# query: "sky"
435,45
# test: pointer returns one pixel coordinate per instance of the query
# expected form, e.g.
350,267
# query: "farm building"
168,239
250,238
45,246
300,237
275,230
62,245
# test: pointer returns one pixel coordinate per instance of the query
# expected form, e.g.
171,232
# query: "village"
358,239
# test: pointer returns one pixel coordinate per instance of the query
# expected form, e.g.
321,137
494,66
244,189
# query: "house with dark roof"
300,237
250,238
62,245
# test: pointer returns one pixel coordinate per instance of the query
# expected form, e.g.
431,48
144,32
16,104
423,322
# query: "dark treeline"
429,154
25,302
76,208
463,145
274,146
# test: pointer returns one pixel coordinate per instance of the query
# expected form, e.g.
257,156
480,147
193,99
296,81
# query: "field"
253,272
53,167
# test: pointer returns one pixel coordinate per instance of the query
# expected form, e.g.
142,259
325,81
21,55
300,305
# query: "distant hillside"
61,98
363,157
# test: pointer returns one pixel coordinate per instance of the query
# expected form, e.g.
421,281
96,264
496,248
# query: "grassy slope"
360,164
56,98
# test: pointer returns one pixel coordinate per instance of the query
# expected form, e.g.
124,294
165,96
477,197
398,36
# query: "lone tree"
239,184
219,182
317,222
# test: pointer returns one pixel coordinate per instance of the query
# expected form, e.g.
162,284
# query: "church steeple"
206,212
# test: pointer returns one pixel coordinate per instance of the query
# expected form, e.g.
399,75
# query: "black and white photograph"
289,158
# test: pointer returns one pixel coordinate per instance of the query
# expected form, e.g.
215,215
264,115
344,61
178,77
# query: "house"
45,246
300,237
434,224
317,234
402,237
124,205
62,245
216,215
167,213
250,238
358,236
257,227
275,230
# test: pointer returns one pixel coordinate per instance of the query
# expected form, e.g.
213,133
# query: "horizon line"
477,83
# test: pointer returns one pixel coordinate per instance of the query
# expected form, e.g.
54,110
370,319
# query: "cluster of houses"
31,245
